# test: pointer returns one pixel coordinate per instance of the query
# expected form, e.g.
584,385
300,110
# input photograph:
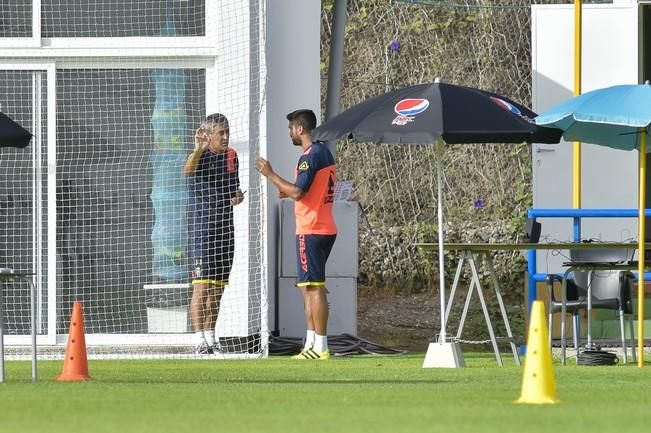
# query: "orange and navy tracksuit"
315,225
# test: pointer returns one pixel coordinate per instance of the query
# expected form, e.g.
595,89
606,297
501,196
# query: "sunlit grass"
357,394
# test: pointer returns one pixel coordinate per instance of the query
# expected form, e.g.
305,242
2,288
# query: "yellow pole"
641,246
576,160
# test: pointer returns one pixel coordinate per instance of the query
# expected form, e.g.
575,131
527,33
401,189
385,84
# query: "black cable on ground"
339,345
285,345
596,357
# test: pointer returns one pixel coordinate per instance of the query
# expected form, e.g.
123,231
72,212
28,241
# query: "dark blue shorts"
212,250
312,252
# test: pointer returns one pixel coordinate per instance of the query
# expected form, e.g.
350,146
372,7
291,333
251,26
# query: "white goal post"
97,206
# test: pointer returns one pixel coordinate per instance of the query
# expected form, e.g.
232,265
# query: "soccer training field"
357,394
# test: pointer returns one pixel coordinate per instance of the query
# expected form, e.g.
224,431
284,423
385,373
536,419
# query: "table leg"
32,287
33,307
589,312
564,312
498,293
486,315
2,338
630,328
620,313
455,283
466,305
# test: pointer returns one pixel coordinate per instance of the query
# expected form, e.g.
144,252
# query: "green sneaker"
314,355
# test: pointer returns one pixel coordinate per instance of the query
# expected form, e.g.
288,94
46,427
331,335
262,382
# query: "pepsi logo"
505,105
411,107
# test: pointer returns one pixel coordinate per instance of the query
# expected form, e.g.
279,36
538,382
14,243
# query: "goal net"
98,207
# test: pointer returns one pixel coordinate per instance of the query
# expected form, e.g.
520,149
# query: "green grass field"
357,394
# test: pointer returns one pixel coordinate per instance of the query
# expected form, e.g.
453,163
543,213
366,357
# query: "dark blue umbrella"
424,113
12,134
437,113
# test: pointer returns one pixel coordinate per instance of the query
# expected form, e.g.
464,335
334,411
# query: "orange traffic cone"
75,364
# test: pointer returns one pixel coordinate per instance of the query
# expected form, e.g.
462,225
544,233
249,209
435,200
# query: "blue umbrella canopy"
613,116
617,117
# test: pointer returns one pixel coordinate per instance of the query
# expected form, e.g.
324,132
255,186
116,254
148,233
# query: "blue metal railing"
576,215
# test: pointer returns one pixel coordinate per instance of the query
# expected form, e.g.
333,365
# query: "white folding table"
476,253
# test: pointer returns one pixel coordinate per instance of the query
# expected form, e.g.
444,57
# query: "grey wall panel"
609,177
343,307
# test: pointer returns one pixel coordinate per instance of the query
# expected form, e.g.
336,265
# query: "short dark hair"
212,120
304,118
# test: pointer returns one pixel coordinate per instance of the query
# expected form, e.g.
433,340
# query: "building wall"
293,82
609,177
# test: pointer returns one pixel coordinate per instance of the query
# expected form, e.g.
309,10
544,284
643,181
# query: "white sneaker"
203,349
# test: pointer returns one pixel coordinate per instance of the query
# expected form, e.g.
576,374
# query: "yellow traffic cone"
538,386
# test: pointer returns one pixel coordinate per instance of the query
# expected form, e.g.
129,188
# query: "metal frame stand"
445,352
589,345
467,255
10,275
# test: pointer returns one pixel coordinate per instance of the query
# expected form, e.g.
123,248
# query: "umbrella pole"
439,181
442,353
641,247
